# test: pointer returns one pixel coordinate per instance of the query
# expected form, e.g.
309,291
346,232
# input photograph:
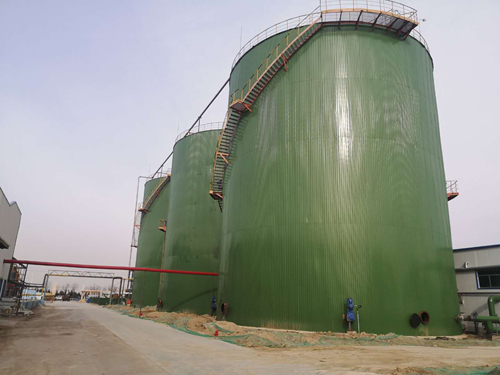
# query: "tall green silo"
151,245
193,227
335,189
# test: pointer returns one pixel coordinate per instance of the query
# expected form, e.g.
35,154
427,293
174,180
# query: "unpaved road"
76,338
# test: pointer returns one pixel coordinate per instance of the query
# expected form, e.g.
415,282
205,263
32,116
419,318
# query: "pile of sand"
279,338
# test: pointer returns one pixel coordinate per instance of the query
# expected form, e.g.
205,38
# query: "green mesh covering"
257,337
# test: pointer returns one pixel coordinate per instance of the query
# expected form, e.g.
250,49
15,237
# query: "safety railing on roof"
300,24
415,34
286,25
200,128
331,6
388,7
163,178
385,6
163,172
376,13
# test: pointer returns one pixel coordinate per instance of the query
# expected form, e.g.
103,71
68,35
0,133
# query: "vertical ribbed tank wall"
193,226
150,246
337,189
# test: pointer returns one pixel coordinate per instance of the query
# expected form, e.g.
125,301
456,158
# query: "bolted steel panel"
150,246
193,226
336,189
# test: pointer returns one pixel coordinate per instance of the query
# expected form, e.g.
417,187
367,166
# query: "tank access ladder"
156,192
242,101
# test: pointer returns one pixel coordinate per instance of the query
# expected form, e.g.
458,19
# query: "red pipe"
119,268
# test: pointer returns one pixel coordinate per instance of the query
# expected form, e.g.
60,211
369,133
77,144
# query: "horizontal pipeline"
97,267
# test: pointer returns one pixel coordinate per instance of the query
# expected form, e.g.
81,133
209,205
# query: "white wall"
10,220
472,298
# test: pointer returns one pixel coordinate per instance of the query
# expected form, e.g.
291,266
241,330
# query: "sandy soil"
73,338
277,338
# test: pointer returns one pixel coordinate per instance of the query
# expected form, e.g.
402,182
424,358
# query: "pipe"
491,304
492,300
487,320
119,268
2,285
192,126
120,291
111,291
45,283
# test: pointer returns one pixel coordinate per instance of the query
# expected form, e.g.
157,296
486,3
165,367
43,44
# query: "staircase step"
234,116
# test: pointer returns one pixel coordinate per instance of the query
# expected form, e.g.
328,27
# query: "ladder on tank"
242,100
156,192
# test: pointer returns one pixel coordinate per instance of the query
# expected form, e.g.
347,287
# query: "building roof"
477,248
14,203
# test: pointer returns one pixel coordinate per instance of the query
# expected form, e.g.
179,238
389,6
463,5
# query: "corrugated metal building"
478,277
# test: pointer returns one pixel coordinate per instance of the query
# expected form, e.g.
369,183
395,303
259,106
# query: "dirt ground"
76,338
206,325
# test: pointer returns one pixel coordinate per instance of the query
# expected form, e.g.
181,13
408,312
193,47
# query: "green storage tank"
193,227
336,190
151,246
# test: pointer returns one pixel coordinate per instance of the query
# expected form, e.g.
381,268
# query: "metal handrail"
416,35
200,128
289,38
162,224
162,173
452,186
161,176
285,25
386,6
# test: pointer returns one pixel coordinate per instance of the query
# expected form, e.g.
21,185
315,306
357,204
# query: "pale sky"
93,94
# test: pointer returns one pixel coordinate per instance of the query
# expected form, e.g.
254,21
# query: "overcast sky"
93,94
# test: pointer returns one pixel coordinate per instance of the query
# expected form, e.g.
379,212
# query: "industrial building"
478,279
10,220
323,198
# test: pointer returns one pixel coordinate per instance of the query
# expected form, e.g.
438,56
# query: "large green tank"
336,190
150,246
194,225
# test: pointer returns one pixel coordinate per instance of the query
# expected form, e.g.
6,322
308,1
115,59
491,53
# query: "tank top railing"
390,16
200,128
164,178
384,6
391,7
278,28
302,23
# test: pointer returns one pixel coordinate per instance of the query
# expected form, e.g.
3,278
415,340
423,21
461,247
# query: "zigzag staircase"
156,192
242,100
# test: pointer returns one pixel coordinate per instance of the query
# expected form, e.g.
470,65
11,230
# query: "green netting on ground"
461,371
206,326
